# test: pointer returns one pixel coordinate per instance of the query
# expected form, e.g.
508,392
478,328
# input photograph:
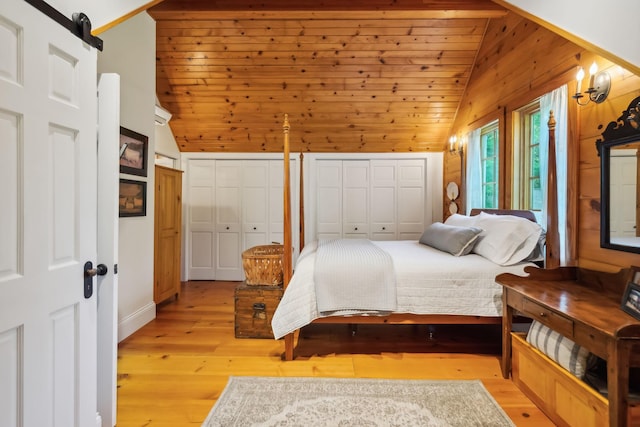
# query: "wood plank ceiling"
360,76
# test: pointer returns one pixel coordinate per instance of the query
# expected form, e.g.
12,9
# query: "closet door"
355,199
167,232
201,219
383,199
329,199
228,215
411,198
276,202
255,203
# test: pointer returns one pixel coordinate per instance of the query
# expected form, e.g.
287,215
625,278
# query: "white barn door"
47,222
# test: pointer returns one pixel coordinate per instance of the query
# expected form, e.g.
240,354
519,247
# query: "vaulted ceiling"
365,75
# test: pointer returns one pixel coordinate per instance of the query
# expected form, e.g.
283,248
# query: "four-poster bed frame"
552,259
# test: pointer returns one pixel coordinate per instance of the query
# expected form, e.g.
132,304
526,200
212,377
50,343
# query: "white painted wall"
129,50
611,25
166,143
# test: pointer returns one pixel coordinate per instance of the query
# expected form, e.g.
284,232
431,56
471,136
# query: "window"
489,165
528,190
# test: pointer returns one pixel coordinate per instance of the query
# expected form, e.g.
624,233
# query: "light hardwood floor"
171,371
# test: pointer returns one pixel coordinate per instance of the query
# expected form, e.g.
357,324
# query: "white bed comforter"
428,281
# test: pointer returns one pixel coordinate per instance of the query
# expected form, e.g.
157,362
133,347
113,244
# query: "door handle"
100,270
89,273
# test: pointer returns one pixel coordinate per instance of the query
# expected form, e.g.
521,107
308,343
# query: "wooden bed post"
286,261
301,217
553,237
286,257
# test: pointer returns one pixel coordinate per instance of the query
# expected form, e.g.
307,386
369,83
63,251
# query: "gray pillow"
450,238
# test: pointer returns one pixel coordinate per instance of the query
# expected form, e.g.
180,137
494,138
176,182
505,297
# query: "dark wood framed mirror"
619,151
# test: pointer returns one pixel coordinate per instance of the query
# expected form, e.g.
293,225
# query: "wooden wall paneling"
573,181
593,120
452,169
351,84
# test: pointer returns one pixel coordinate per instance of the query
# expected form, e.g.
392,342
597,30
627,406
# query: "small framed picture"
133,152
631,300
133,198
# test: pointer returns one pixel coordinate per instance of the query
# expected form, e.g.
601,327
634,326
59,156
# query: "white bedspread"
342,284
428,282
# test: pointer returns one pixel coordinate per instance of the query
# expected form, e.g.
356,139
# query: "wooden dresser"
584,306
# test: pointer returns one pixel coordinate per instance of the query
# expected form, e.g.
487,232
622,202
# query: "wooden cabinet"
584,306
563,397
167,236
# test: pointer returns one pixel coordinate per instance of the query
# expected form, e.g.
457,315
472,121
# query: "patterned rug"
282,401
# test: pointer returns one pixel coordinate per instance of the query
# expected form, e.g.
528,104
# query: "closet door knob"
227,227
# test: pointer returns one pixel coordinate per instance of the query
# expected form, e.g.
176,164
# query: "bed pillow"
574,358
449,238
537,254
506,239
461,220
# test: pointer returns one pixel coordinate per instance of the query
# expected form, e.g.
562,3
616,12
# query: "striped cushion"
562,350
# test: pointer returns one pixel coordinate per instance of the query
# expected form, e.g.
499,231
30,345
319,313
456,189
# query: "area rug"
282,401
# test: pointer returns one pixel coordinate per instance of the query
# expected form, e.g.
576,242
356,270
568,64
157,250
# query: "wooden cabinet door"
168,223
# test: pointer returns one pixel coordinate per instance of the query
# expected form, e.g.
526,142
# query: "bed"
435,282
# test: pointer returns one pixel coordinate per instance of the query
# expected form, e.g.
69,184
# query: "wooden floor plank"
172,371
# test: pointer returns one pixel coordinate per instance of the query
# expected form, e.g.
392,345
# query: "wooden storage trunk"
254,308
565,399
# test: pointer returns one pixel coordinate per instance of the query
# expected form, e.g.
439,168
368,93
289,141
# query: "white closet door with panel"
201,219
384,207
375,198
329,199
255,203
411,199
228,211
355,199
233,206
276,203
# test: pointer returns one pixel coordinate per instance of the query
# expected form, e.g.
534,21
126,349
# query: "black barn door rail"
79,25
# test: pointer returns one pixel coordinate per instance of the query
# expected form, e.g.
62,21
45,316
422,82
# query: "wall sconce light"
454,147
599,85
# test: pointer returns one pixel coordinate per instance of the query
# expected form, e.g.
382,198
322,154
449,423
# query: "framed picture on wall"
133,152
133,198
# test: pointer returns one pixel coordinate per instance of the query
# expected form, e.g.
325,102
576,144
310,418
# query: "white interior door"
329,199
622,193
412,198
355,199
228,220
383,199
107,285
255,203
201,219
47,221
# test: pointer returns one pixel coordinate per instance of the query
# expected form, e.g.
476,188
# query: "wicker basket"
263,265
